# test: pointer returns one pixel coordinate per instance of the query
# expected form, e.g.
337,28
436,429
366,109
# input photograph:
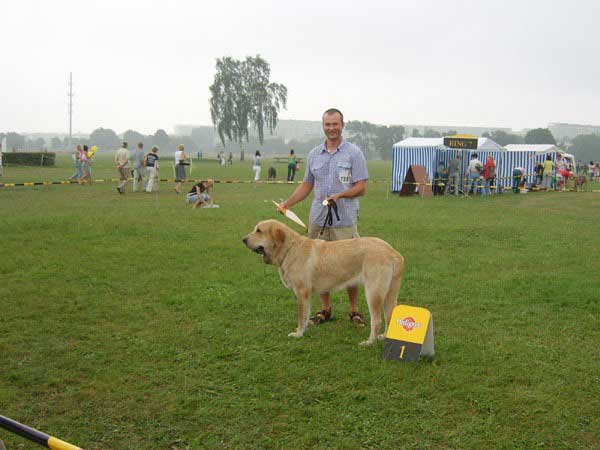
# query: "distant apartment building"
183,129
460,129
567,131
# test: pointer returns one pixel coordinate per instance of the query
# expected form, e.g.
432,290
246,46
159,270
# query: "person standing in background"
138,167
122,163
453,176
77,174
292,162
85,166
180,163
151,163
257,165
489,175
474,175
548,173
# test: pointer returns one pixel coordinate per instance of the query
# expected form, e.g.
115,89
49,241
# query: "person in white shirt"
122,163
257,165
180,163
474,174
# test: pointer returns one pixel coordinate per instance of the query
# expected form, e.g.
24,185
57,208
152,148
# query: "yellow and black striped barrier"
35,436
164,180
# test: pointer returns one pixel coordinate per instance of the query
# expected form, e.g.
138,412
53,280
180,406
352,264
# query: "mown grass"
134,322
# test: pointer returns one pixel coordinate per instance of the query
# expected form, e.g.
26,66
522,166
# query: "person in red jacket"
489,175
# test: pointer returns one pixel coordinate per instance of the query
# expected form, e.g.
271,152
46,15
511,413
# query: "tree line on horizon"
376,141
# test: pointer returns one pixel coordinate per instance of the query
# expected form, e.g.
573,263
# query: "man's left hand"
334,197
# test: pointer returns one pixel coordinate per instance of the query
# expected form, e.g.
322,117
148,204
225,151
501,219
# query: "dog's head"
269,238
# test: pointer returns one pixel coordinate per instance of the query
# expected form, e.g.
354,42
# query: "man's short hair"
140,144
333,111
124,144
474,155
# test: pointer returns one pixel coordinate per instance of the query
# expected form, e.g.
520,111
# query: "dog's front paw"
380,337
367,343
296,334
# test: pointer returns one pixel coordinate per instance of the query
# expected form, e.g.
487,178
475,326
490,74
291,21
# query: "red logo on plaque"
408,323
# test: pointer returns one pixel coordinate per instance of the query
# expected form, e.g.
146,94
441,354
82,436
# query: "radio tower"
70,95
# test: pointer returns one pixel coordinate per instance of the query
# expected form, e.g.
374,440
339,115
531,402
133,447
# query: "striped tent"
413,151
527,156
429,151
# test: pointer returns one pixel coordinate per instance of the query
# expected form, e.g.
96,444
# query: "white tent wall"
404,157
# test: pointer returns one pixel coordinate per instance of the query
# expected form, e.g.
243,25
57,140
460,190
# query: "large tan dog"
310,266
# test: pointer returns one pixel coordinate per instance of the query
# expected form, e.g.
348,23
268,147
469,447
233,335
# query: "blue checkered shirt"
331,174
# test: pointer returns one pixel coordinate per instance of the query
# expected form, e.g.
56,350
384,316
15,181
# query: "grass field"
135,322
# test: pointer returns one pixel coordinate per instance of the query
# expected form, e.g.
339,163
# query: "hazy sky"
148,64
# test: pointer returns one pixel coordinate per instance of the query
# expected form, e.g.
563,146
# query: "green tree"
586,147
416,133
374,140
430,133
105,138
161,139
132,138
540,136
14,140
503,138
364,135
242,95
56,143
386,138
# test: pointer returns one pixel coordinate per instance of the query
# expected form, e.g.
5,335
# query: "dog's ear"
278,237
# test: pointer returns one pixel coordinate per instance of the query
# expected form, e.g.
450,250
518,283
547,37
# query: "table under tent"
429,152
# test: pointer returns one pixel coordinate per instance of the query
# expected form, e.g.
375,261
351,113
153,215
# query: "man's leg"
135,179
150,179
325,302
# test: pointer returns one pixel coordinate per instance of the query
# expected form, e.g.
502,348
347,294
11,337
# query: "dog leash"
331,205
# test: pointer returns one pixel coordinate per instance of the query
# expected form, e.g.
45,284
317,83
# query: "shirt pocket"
320,170
344,172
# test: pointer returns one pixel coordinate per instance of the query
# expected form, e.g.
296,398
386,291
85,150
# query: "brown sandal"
357,319
322,316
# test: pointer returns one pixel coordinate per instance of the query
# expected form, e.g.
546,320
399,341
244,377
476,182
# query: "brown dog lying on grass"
310,266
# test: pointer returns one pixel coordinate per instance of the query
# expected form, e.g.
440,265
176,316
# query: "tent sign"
464,143
409,336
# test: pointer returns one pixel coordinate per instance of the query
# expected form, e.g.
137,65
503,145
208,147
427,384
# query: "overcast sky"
146,64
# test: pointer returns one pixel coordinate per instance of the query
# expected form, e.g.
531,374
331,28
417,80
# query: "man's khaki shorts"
333,233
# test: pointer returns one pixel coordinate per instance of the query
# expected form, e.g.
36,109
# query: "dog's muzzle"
260,249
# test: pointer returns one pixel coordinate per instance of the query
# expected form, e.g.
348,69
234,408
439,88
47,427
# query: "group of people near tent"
480,178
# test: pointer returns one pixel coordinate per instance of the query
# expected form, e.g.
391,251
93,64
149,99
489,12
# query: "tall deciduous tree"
374,140
586,147
242,95
503,138
540,136
161,139
133,137
105,138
